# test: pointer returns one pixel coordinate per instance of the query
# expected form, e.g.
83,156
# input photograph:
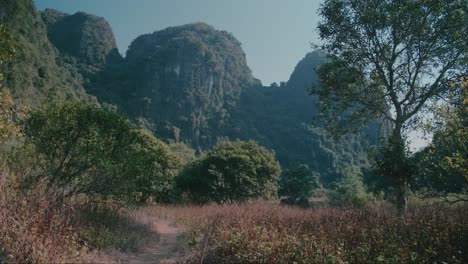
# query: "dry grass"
267,233
35,228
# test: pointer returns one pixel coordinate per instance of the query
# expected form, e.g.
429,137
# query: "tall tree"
390,59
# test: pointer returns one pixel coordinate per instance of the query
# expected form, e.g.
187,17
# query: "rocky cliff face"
186,80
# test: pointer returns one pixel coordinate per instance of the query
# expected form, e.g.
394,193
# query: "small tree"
351,190
82,148
389,59
153,166
231,171
298,182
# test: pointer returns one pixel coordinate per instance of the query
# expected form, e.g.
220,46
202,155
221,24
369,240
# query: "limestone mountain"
88,38
186,80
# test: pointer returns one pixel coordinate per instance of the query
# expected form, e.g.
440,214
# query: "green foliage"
442,165
85,149
389,60
154,167
231,171
182,151
81,148
8,111
35,73
351,191
298,182
10,115
7,47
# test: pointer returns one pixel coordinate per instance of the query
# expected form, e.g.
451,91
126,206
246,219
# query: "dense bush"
231,171
108,226
82,148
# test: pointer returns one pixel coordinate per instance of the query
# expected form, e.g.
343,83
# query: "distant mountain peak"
86,37
304,75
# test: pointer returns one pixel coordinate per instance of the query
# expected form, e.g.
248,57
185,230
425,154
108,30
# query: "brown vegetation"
35,228
268,233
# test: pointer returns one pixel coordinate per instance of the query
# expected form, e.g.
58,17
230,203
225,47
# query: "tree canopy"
231,171
390,59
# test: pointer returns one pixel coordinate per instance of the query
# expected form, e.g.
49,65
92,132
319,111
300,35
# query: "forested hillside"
37,71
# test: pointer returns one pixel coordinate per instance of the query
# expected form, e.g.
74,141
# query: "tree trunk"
401,199
400,169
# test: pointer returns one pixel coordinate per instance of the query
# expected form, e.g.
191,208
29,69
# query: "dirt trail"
155,251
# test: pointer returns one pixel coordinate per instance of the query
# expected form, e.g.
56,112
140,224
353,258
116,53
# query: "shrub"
81,148
298,182
108,226
231,171
351,191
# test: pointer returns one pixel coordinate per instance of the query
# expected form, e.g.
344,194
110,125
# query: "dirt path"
158,250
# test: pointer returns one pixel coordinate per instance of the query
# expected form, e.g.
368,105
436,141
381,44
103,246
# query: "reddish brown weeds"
266,233
35,227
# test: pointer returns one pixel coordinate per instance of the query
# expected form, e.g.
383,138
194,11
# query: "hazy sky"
275,34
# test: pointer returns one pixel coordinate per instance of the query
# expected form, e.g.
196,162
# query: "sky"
275,34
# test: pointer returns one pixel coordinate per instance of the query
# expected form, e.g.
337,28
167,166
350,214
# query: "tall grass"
35,227
108,226
266,233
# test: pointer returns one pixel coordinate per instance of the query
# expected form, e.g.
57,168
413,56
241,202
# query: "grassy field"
269,233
